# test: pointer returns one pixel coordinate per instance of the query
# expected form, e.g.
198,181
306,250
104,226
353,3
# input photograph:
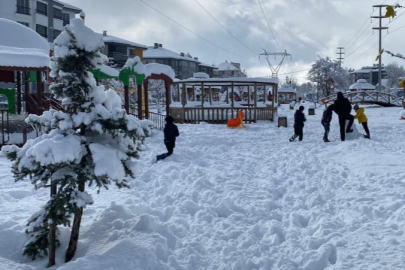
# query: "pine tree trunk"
74,236
52,233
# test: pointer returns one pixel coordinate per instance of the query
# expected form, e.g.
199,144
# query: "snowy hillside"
240,200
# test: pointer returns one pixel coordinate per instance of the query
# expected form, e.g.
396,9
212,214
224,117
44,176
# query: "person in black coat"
343,109
326,119
171,132
299,119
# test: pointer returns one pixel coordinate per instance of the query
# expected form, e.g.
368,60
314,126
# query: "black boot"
326,140
349,131
293,138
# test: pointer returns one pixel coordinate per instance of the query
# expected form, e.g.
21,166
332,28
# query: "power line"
347,44
229,32
298,71
361,45
268,24
201,37
370,37
360,36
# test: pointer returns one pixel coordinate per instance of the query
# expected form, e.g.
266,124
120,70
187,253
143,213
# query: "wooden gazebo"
256,106
23,51
286,94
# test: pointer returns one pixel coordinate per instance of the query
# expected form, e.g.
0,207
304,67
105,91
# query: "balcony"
23,10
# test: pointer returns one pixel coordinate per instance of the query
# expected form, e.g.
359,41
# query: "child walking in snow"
299,119
170,132
362,118
326,119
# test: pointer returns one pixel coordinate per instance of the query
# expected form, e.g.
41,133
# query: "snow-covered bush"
92,142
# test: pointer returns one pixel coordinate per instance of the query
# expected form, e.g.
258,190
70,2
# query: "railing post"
255,112
145,87
202,101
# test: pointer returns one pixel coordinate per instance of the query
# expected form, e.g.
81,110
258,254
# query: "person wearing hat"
299,119
362,118
170,133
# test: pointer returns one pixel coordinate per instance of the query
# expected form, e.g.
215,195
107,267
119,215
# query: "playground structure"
250,95
24,58
286,94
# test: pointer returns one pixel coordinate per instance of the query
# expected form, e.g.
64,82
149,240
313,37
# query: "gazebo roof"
21,47
362,84
235,80
285,88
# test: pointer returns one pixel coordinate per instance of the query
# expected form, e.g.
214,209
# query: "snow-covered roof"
226,66
362,84
361,71
202,75
239,80
20,46
69,6
207,65
160,52
285,88
113,39
157,69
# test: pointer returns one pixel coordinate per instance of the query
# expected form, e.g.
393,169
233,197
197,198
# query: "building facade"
46,17
184,65
226,70
370,74
119,50
208,69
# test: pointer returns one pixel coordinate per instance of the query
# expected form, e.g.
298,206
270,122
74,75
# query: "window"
56,33
42,8
57,13
117,49
131,52
23,7
42,30
24,23
66,19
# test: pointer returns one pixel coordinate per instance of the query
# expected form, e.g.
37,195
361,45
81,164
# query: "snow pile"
86,39
202,75
21,46
402,114
108,70
136,65
157,69
228,199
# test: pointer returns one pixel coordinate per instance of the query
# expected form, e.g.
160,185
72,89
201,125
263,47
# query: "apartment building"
183,64
119,50
46,17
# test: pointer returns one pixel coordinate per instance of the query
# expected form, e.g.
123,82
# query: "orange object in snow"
236,122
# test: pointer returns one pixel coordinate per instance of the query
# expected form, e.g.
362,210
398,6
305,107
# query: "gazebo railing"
220,115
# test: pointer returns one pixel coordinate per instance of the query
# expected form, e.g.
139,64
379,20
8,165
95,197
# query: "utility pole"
380,29
341,54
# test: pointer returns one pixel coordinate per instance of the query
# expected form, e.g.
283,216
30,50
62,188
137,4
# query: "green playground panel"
10,95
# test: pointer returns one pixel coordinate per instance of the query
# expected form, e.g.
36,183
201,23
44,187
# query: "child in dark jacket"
326,119
170,132
299,119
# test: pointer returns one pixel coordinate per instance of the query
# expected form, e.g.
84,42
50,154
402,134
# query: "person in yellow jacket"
362,118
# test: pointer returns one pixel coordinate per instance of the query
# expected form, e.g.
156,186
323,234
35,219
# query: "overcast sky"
305,28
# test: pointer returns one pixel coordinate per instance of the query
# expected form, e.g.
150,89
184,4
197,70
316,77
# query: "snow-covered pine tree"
93,142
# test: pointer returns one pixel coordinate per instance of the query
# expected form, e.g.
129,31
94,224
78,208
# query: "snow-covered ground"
239,199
